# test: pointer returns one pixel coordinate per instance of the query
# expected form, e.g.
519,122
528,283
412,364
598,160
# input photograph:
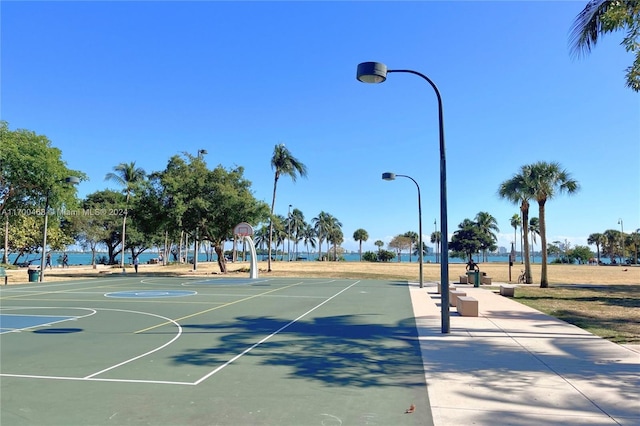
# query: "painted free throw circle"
151,293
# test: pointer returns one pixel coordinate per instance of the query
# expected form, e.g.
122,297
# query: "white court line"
250,348
144,354
92,376
94,379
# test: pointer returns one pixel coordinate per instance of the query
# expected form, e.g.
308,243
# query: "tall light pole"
289,234
376,72
622,236
392,176
72,180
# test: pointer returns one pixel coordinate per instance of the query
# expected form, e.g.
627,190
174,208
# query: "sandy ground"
499,272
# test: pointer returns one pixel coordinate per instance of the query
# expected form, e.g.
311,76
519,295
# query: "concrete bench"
3,274
463,279
486,280
453,296
507,290
467,306
440,288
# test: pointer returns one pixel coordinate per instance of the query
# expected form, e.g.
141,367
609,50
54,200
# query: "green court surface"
134,350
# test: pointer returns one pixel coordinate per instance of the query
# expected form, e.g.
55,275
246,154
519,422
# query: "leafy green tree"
360,235
469,239
208,204
370,256
400,243
546,180
98,209
32,173
600,17
580,254
386,255
129,177
284,164
634,244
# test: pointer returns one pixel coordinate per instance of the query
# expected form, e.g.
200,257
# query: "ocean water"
77,258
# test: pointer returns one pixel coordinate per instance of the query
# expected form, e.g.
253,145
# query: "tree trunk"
544,281
221,260
273,205
5,255
525,245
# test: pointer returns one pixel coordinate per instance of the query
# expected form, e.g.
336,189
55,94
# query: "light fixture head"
72,180
388,176
372,72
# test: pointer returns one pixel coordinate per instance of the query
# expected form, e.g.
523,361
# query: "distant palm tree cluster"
295,231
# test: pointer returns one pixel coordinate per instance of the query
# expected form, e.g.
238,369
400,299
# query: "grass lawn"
609,311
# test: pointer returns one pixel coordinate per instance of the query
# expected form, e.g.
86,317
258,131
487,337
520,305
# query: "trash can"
473,277
34,274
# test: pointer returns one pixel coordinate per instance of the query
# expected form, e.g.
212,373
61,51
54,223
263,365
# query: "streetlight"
622,236
392,176
289,234
376,72
72,180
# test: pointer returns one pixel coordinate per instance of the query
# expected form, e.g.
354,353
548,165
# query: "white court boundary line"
250,348
92,377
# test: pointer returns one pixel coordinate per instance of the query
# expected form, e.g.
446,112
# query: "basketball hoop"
243,229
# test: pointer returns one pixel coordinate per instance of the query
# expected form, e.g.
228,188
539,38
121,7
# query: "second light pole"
392,176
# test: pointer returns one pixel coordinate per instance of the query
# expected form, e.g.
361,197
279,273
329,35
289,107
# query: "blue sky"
113,82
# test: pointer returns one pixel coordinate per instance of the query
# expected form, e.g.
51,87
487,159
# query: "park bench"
440,288
463,279
467,306
453,296
3,274
507,290
486,280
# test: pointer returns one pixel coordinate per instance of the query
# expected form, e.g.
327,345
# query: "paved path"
513,365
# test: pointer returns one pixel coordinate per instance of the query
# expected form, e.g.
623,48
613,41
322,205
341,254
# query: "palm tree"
379,244
546,180
517,191
360,235
534,229
598,239
489,226
309,238
296,225
515,223
284,164
322,226
435,239
128,176
600,17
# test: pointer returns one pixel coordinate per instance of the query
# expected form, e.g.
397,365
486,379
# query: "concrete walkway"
513,365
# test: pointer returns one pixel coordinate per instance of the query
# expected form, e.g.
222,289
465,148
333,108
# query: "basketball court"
128,349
